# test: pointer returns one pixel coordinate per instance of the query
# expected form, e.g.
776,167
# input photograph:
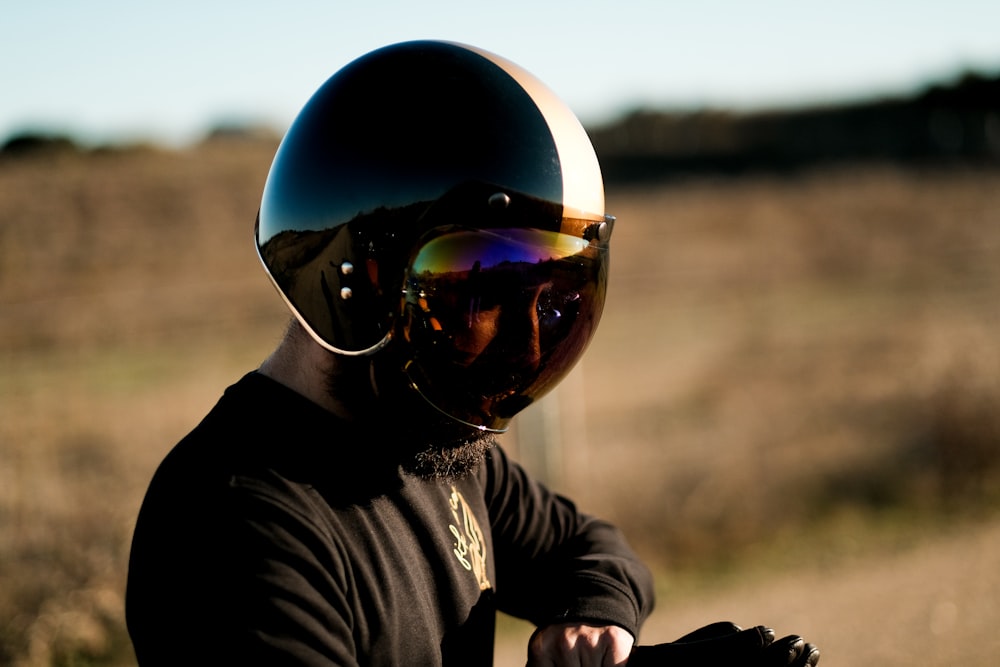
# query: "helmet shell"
352,183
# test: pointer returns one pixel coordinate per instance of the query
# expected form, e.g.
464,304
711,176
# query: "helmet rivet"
499,200
346,293
347,268
603,232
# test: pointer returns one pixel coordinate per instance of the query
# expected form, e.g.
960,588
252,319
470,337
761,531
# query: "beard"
425,442
452,461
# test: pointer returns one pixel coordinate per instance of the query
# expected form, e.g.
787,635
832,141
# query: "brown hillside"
791,373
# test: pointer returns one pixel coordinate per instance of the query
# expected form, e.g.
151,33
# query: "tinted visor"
495,318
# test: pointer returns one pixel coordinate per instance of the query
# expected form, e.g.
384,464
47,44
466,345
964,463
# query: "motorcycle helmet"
436,204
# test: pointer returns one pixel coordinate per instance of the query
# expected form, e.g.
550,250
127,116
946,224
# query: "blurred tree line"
958,122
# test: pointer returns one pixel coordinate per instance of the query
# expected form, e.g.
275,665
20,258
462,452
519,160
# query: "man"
434,220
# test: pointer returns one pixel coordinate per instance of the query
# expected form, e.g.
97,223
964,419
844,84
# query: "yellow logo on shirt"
470,547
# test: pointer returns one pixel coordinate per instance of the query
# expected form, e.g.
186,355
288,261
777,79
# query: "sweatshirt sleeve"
238,577
555,564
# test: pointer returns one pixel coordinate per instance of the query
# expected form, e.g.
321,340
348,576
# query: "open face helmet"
438,201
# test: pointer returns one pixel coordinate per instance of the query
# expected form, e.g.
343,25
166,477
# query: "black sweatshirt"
274,534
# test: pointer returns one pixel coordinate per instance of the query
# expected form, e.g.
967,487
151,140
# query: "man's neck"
303,366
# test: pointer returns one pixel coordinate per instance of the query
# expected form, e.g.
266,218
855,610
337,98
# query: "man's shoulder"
254,409
224,439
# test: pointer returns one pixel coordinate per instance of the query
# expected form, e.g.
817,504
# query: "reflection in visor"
494,319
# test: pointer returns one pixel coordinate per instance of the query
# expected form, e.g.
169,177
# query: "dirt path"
934,605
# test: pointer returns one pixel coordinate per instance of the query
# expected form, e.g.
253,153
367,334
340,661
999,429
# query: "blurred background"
792,406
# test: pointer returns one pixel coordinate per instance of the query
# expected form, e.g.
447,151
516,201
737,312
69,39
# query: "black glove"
728,644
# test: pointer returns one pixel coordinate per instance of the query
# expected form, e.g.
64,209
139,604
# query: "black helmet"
438,199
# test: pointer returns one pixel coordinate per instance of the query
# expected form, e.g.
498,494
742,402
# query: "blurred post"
551,435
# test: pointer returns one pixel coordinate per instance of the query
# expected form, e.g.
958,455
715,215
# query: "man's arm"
225,576
571,574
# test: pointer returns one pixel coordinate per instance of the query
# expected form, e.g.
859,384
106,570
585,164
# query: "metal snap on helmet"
438,198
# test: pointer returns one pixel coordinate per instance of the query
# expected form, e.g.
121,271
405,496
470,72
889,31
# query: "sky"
117,71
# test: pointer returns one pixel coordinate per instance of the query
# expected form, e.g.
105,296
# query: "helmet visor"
494,318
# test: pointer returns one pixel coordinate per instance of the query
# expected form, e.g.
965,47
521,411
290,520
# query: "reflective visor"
495,318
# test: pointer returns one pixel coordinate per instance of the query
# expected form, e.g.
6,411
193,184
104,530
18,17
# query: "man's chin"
431,444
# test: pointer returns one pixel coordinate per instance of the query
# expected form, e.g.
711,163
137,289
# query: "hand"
579,645
728,644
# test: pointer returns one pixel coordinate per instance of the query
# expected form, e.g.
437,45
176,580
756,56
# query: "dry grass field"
791,406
